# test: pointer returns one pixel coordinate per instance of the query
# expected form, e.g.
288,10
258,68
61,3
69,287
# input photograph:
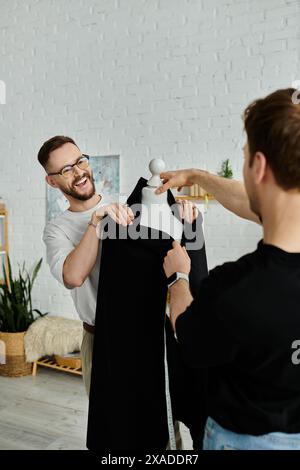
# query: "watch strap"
175,277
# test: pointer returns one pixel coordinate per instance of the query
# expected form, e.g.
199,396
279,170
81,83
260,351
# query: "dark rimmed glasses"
66,171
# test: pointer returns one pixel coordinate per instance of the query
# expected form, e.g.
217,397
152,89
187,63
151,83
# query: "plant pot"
12,349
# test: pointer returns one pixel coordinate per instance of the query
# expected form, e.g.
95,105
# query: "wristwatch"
175,277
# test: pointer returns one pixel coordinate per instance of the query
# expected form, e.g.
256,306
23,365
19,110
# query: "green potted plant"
226,170
16,315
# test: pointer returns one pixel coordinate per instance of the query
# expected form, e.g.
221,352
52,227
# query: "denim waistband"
273,440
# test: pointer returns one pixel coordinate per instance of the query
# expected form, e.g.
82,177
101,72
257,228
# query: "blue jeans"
218,438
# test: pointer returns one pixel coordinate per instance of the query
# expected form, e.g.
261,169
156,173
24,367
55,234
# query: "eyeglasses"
68,170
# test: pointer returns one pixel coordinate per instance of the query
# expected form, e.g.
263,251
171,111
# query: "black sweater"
242,325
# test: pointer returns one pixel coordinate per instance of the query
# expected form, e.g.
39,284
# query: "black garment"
242,325
127,398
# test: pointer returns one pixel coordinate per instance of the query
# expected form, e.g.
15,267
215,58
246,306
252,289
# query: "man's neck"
80,206
281,223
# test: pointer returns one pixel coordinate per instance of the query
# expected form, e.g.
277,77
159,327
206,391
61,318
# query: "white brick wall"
139,78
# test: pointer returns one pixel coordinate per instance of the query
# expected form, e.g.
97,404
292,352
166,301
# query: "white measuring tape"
172,438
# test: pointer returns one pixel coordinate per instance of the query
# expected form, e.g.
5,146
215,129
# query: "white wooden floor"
46,412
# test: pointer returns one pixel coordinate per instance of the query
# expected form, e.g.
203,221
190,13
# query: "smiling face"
80,183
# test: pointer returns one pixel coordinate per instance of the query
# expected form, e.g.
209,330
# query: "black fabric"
242,326
127,399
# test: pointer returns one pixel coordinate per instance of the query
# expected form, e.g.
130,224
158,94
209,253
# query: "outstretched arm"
230,193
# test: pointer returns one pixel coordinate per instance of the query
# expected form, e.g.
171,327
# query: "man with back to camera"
71,239
245,318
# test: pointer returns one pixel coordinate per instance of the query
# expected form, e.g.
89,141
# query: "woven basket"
12,349
65,361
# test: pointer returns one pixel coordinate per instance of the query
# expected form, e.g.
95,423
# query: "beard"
75,194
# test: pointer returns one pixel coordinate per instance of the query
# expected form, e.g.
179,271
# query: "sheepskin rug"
52,335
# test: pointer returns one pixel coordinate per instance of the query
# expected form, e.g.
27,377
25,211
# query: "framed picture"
106,172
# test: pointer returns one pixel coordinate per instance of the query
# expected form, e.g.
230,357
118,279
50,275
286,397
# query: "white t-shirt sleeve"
58,247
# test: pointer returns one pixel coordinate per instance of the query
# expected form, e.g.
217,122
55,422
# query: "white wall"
139,78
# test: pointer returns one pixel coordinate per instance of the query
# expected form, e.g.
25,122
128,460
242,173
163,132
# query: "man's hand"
175,179
188,210
120,213
177,260
230,193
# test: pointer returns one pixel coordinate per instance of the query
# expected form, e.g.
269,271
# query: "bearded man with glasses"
71,238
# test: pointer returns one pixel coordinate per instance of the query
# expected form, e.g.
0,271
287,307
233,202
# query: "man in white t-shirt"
71,240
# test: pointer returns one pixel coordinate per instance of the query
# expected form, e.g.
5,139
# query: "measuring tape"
172,438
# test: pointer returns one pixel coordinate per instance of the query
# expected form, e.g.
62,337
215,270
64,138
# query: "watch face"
172,278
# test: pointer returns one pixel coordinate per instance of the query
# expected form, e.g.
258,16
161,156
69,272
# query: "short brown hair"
51,145
272,125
